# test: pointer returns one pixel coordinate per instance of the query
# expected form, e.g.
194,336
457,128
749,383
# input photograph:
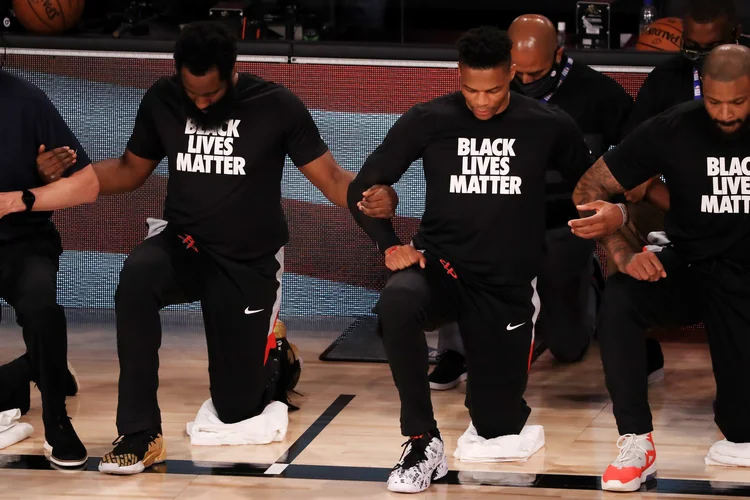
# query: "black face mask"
546,84
213,116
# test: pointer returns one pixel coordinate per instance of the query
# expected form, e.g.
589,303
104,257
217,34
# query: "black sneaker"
134,453
449,371
63,445
654,361
422,462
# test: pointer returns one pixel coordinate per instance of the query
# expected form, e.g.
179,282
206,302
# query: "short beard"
215,115
733,135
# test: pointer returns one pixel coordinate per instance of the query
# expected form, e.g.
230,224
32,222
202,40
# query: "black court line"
379,475
316,428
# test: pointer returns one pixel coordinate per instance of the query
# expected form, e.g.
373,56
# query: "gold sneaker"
134,453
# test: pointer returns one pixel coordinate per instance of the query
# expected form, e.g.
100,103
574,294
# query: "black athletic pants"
240,303
569,290
497,327
716,293
28,282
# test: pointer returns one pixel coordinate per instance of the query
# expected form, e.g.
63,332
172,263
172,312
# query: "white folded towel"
11,430
472,447
269,426
730,454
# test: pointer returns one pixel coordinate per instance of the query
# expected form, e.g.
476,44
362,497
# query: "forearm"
82,187
338,195
116,177
596,184
658,195
379,230
617,249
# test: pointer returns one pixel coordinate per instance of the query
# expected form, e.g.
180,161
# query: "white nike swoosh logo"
248,311
509,328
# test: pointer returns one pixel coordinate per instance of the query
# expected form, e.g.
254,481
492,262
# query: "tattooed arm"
601,220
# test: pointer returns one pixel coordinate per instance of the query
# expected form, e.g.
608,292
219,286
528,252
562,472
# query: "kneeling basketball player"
699,272
226,136
477,253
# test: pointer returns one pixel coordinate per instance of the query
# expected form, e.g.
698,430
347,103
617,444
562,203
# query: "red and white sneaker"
635,464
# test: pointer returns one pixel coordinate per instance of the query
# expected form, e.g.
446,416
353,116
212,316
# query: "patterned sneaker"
635,464
134,453
422,462
449,371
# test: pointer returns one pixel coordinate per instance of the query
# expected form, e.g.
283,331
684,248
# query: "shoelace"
416,453
137,445
630,449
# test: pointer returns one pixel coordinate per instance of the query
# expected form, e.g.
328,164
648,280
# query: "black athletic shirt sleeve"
53,132
640,156
145,140
301,136
403,145
571,155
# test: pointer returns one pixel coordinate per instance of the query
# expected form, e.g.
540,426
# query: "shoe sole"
633,485
450,385
137,468
656,376
439,473
64,463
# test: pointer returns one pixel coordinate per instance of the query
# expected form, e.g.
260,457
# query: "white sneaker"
422,462
635,464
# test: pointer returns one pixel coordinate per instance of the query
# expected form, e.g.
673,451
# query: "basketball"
48,16
662,35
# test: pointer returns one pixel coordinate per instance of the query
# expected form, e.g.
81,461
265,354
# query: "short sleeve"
301,136
638,158
145,141
571,156
53,132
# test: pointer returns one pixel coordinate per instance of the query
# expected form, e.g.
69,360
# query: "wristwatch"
28,199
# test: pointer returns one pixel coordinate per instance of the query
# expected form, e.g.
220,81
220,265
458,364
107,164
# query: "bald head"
726,87
535,52
533,32
727,63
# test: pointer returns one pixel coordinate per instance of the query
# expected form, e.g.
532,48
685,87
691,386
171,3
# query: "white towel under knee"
472,447
269,426
729,454
11,430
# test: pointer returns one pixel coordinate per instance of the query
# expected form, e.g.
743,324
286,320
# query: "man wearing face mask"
568,286
226,136
706,25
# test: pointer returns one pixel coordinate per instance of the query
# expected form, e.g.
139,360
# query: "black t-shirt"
600,107
708,176
669,84
27,120
224,187
484,204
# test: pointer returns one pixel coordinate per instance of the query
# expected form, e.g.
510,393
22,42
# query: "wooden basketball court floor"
345,438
